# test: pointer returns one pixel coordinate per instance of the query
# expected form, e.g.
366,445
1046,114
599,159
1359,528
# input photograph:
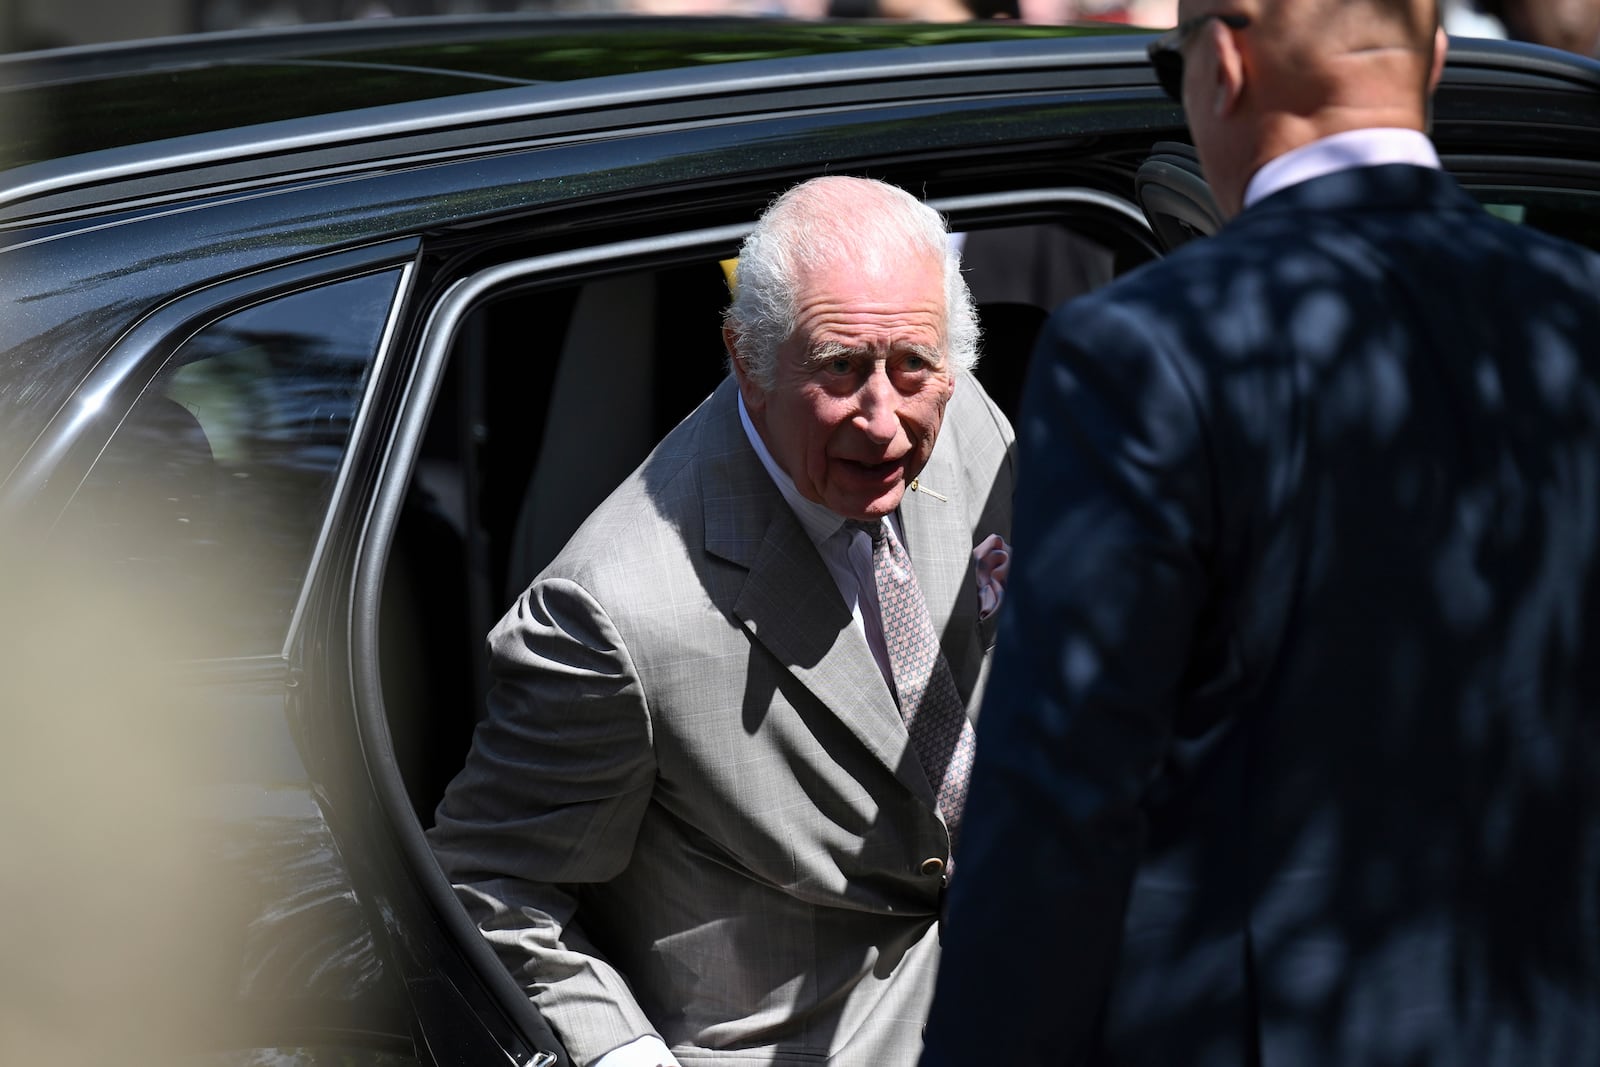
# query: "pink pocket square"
993,556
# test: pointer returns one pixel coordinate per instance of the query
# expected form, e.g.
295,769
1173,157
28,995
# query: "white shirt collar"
1341,151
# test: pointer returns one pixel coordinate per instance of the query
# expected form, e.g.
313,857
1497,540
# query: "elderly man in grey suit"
710,815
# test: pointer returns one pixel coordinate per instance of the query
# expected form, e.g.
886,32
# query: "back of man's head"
1301,70
1332,53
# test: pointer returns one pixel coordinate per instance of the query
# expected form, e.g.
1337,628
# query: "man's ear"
1231,71
1441,45
754,398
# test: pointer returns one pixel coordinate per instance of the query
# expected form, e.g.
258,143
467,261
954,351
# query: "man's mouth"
878,471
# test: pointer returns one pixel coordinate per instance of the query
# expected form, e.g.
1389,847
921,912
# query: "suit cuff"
646,1051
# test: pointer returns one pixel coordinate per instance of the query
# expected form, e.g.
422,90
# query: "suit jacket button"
933,866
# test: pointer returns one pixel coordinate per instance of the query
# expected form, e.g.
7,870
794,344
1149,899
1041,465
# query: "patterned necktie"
935,718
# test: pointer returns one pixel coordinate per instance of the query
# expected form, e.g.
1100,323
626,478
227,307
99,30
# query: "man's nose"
879,414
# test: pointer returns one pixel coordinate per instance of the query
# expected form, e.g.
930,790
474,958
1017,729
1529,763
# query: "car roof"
94,129
656,120
88,99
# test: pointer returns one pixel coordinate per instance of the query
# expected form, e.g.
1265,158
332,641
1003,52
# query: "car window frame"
55,468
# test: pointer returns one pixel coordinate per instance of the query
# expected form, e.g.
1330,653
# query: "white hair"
838,219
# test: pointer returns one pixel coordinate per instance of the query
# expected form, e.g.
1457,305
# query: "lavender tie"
935,718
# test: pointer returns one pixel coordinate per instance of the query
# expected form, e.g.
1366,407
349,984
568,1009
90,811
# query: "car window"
208,501
1573,215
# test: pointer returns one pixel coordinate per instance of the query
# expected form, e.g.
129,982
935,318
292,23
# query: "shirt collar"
1341,151
819,523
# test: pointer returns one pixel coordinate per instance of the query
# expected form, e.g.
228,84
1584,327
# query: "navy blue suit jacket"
1291,754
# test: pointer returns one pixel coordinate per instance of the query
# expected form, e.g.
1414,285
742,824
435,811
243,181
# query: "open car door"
1174,195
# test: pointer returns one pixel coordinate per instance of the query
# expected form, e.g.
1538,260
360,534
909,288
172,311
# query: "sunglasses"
1166,51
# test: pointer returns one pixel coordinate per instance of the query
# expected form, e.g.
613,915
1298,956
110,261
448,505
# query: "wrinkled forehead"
872,304
874,276
876,244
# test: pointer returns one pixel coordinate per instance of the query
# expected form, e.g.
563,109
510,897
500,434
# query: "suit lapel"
789,602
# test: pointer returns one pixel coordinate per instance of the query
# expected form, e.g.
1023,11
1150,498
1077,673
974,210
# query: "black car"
316,345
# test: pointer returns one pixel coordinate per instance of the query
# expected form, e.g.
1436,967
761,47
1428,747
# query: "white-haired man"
704,820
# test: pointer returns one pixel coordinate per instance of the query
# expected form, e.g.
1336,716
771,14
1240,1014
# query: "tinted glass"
1573,215
208,501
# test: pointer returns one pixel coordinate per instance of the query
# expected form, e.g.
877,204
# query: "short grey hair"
826,220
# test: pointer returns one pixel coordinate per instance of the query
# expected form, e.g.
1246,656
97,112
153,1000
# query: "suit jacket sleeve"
550,799
1113,518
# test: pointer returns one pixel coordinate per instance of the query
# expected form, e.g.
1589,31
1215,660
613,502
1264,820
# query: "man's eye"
840,365
915,363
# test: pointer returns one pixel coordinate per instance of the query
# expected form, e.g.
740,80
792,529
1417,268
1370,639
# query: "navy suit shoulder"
1297,683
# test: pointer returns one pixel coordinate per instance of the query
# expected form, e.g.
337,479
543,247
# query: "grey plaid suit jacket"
692,809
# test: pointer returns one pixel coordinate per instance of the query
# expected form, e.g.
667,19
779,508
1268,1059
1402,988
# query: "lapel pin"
917,487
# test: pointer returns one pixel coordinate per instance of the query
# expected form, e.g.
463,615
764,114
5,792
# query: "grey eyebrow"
832,350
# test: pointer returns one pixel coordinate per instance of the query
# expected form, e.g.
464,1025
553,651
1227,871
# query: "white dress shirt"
1341,151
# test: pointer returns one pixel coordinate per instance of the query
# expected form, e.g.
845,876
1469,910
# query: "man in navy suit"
1291,754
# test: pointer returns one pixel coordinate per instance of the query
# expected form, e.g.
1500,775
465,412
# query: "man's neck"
1285,130
1342,151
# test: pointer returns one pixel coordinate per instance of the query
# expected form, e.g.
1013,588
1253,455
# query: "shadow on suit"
1292,752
